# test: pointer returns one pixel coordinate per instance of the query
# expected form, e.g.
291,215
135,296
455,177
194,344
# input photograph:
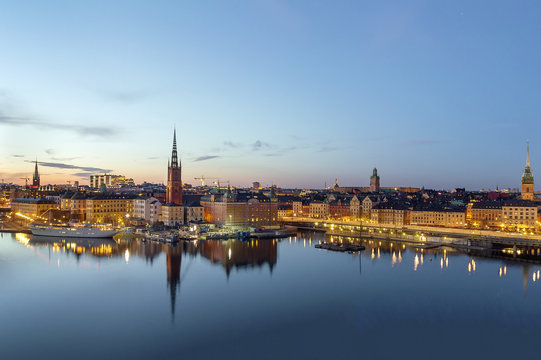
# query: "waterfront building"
355,207
368,203
114,209
517,215
374,181
148,209
193,211
301,208
173,215
390,214
437,216
32,207
236,208
527,183
284,210
340,207
319,209
486,214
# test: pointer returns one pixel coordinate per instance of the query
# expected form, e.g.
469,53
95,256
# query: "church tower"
35,178
374,181
527,179
174,179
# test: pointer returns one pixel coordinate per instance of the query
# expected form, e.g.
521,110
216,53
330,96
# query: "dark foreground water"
101,299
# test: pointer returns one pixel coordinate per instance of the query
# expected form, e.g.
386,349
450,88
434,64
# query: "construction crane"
25,180
203,178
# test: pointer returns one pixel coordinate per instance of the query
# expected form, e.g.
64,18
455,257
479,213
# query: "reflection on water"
267,294
229,254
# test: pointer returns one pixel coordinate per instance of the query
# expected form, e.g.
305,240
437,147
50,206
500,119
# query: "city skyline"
433,95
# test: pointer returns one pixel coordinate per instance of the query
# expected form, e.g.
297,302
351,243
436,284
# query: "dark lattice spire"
174,156
35,178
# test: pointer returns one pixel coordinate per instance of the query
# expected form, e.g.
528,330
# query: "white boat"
75,230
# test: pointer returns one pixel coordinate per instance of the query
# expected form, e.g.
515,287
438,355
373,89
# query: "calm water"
261,300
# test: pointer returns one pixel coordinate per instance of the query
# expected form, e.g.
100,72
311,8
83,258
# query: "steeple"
527,181
35,178
528,154
174,156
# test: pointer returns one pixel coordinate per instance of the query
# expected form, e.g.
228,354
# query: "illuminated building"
240,208
113,209
486,214
319,209
32,207
390,213
438,217
519,214
374,181
96,181
527,179
368,203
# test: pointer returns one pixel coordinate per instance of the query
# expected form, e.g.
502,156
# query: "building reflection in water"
230,254
234,254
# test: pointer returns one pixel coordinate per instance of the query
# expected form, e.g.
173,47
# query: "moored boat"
75,230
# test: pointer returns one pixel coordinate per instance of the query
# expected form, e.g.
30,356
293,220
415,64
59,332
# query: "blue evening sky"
439,94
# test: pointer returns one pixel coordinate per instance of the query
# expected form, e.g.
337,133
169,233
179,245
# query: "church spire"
35,178
528,154
174,156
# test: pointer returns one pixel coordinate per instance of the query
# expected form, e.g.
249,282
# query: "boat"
75,230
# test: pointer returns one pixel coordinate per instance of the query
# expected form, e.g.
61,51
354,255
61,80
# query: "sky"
294,93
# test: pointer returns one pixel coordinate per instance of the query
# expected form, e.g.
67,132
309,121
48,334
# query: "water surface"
66,299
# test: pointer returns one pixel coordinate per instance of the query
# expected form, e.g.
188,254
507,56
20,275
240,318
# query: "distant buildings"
109,180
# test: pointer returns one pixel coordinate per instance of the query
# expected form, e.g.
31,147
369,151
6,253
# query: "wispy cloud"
258,145
231,144
69,166
17,156
50,151
100,131
153,157
206,157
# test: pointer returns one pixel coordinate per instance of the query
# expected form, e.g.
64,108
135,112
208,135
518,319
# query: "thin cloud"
206,157
69,166
100,131
17,156
50,151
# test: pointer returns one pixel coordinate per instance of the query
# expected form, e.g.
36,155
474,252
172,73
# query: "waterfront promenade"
415,233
